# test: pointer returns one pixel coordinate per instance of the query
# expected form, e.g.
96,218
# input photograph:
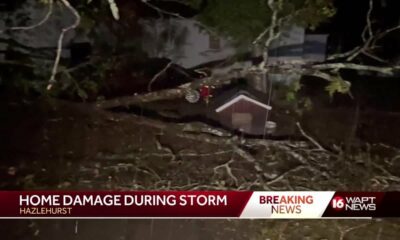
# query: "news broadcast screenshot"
199,119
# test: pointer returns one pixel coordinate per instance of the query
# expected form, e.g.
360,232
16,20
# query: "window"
242,121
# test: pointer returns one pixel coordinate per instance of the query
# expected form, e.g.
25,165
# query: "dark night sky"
348,23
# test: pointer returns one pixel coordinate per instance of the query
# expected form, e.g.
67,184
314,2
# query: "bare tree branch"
368,27
273,32
283,175
169,151
353,66
344,55
352,54
166,94
158,75
309,138
344,232
60,42
162,11
319,74
30,27
178,92
275,22
368,54
369,40
142,98
228,169
322,70
387,31
199,127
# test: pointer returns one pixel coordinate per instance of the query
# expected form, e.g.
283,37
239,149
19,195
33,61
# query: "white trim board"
242,97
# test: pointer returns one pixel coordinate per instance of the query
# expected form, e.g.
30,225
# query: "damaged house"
241,109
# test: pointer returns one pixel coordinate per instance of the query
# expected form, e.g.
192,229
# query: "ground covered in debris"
78,146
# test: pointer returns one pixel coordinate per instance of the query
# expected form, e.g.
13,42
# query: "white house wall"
292,35
194,51
315,47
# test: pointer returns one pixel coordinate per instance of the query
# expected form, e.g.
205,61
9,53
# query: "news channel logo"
354,203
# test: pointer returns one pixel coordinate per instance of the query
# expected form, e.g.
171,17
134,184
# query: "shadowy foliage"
243,21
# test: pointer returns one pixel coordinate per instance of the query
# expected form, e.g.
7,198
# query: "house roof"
233,95
242,97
